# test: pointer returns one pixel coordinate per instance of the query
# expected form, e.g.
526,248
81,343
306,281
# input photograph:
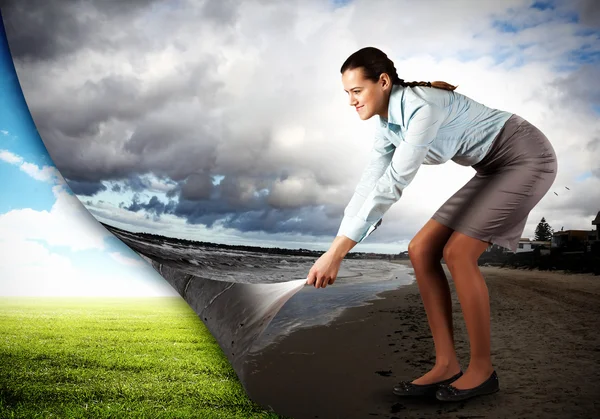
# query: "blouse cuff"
357,229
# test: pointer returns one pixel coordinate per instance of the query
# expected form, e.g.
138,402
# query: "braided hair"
375,62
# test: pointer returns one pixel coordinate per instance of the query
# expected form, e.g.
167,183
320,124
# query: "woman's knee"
462,250
422,251
451,253
428,244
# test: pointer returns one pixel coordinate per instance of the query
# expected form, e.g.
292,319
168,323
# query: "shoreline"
268,341
545,348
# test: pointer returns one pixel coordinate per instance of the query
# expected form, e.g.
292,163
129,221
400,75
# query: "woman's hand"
325,270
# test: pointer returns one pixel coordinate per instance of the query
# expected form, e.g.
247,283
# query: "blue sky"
49,243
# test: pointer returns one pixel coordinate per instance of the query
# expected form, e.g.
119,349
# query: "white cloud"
67,224
44,174
57,226
119,257
9,157
31,269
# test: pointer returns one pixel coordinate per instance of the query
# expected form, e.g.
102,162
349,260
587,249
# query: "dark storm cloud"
306,220
89,121
80,112
43,29
112,97
171,134
118,126
173,192
135,183
86,188
153,206
47,29
78,124
205,212
233,194
51,29
162,142
238,191
197,187
237,207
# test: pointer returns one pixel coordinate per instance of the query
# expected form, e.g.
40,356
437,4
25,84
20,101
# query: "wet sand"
545,348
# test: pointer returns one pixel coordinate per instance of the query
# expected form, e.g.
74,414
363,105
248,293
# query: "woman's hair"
374,62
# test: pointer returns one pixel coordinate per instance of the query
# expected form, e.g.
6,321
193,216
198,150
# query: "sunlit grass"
108,358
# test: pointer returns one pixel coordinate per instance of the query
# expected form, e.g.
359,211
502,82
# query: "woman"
428,123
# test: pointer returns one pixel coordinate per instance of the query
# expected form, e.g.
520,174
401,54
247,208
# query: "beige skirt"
515,174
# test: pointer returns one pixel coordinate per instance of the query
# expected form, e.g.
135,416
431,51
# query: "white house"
525,245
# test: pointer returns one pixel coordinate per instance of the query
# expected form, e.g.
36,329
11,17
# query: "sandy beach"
545,348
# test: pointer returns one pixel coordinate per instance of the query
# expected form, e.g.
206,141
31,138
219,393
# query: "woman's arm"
341,246
380,159
406,161
325,269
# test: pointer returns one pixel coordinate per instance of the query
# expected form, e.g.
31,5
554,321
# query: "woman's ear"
385,81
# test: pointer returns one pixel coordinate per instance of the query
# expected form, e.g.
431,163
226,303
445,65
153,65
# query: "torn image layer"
236,314
240,295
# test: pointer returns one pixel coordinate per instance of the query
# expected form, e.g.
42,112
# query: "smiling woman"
428,123
364,96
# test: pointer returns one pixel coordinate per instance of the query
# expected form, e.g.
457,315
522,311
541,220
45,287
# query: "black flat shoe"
447,393
406,388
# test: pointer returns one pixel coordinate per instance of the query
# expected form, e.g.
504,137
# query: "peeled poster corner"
236,314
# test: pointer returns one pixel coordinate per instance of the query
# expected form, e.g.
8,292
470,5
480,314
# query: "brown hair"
375,62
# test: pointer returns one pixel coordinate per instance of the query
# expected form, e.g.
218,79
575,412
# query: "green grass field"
114,358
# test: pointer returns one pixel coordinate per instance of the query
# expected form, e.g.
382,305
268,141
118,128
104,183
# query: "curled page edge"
236,314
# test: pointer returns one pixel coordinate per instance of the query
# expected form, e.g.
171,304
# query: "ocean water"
319,306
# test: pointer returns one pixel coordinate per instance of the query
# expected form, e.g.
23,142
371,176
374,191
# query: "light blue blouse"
425,125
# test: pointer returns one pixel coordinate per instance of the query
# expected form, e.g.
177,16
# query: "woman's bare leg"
461,254
425,251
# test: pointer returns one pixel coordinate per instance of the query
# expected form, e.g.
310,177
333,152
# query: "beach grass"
114,358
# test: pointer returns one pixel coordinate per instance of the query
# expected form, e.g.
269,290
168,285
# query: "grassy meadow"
114,358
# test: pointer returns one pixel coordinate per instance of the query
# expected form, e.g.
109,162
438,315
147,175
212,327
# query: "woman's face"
366,97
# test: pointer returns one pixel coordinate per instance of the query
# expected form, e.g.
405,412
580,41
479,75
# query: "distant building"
596,222
403,255
524,245
544,246
496,249
573,238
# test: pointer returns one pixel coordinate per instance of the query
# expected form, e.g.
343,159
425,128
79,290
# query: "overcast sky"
226,121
